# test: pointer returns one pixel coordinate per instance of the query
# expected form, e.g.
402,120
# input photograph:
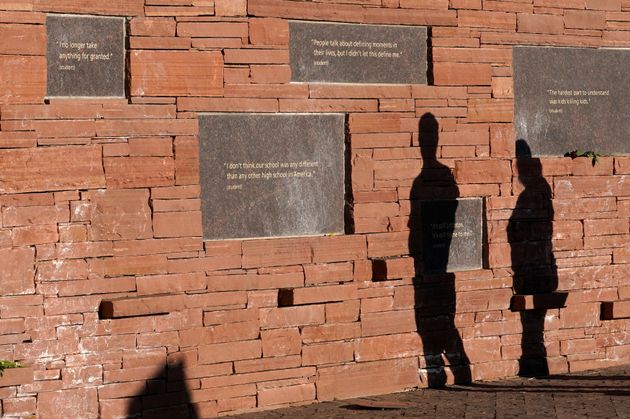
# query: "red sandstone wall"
100,200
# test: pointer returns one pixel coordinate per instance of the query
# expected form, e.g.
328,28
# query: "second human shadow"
530,231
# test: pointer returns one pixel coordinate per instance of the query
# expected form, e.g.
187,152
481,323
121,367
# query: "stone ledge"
143,306
392,268
521,302
151,305
288,297
16,376
612,310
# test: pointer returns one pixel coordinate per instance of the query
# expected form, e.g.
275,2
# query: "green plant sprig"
8,364
579,153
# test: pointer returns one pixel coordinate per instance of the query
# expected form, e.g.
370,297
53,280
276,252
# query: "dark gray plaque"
86,56
345,53
452,235
272,175
572,98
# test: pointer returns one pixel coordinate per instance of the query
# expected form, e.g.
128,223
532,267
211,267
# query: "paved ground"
594,394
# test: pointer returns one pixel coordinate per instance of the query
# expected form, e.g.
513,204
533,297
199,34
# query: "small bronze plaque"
86,56
452,235
346,53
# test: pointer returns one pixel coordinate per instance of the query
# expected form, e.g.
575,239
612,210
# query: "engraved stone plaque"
452,235
572,98
272,175
347,53
86,56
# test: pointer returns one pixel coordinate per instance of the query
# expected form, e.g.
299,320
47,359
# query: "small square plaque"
452,235
86,56
347,53
272,175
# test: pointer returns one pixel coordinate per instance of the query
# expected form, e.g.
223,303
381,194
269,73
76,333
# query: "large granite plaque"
452,235
86,56
346,53
572,98
272,175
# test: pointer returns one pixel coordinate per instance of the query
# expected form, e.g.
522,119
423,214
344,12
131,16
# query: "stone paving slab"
592,394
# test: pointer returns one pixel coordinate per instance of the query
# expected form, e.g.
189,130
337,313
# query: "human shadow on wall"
434,287
530,231
165,396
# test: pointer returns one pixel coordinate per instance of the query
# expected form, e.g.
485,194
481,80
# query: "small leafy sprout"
579,153
8,364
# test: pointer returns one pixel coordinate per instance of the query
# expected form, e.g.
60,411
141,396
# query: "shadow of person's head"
529,168
165,395
428,131
523,150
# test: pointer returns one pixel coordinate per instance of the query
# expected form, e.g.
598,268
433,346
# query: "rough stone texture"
570,99
539,301
341,53
22,78
452,235
20,39
266,176
140,306
176,73
345,381
615,310
86,56
134,172
19,270
121,214
68,403
114,8
47,169
16,376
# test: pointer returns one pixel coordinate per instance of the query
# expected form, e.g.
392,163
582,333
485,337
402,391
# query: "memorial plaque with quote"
272,175
572,98
86,56
452,235
347,53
